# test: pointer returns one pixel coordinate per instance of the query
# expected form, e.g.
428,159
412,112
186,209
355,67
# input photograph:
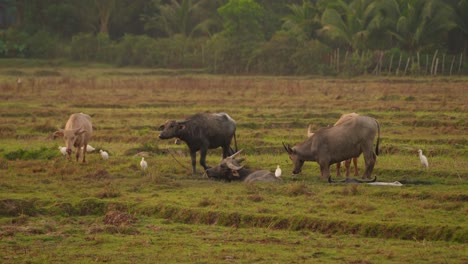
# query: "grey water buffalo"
230,170
341,142
347,162
201,132
77,133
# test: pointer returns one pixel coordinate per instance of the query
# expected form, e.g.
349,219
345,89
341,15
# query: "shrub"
90,47
137,50
13,43
273,57
310,58
45,46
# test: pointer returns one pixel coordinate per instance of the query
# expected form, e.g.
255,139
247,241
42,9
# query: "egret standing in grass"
424,163
143,164
104,154
278,171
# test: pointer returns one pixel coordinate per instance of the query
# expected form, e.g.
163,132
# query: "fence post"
451,65
460,64
406,67
433,61
390,67
398,68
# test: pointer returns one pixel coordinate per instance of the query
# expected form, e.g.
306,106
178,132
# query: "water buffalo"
347,162
77,133
335,144
230,170
202,132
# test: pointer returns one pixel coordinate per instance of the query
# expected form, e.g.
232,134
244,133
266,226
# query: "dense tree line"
243,36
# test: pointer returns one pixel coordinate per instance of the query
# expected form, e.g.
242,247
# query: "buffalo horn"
235,154
232,166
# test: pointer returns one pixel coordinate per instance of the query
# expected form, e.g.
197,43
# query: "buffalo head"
171,129
228,169
71,137
297,162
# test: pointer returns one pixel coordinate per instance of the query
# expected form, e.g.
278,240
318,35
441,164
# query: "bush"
90,47
311,58
43,45
273,57
137,50
13,43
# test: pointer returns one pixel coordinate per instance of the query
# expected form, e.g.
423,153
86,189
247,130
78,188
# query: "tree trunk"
19,13
105,8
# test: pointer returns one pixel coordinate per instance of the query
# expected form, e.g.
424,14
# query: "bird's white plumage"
63,150
278,171
104,154
89,148
424,162
143,164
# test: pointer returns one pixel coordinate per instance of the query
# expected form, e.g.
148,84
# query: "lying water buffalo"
202,132
77,133
230,170
341,142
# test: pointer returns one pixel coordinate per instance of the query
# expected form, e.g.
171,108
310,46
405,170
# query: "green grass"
55,210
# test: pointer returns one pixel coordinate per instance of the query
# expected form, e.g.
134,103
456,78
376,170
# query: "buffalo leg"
356,171
338,169
347,165
325,171
203,153
227,151
84,153
369,160
193,157
77,154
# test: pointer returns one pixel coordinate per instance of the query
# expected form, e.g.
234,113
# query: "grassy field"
54,211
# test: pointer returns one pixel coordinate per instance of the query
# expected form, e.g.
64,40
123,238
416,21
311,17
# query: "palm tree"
420,23
183,17
303,22
353,24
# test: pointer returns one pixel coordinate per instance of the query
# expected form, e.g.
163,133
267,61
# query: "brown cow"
77,133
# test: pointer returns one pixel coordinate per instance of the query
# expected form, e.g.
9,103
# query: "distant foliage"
347,38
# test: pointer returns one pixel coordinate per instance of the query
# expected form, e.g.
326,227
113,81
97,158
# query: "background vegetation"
54,210
282,37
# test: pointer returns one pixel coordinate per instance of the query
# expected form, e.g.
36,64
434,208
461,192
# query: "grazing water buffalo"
341,142
347,162
77,133
202,132
230,170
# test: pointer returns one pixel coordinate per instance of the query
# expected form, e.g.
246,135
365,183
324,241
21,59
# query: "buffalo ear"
80,131
287,148
58,133
182,126
161,127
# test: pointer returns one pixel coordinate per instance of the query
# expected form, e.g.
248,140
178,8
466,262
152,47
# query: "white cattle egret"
89,148
63,150
423,159
278,171
104,154
143,164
